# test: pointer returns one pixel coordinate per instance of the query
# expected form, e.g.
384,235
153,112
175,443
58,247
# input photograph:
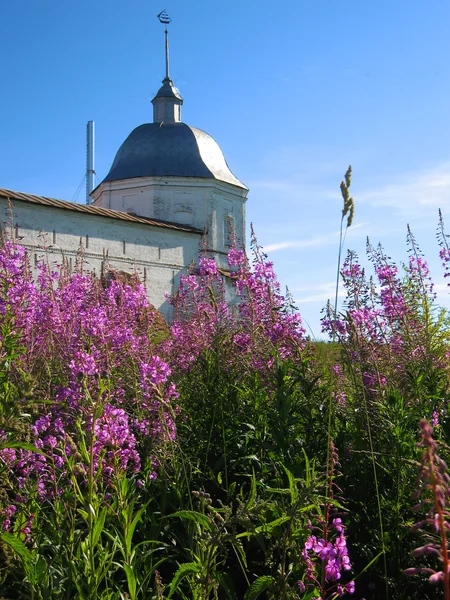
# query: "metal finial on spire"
167,102
165,19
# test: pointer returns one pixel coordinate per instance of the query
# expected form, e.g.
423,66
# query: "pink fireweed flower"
8,456
8,512
207,266
236,258
26,531
88,339
155,372
113,434
83,364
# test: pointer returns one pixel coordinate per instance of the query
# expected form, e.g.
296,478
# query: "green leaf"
40,569
266,528
251,499
313,594
183,571
22,551
307,469
130,533
226,583
82,448
258,587
292,486
283,491
195,516
131,580
269,527
98,527
308,507
23,446
374,560
240,554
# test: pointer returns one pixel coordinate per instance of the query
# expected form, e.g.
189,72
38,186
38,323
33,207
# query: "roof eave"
98,211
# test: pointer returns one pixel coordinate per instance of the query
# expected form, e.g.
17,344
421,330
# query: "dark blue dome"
170,150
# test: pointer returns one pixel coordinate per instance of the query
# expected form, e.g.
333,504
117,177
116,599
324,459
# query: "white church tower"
168,194
170,171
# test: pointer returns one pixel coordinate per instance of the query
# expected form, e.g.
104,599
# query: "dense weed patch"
228,458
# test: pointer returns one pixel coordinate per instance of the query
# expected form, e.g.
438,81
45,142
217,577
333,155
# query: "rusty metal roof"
93,210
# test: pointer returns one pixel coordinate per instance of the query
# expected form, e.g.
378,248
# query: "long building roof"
93,210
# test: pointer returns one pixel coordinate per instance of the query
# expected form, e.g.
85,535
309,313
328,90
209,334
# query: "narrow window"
54,236
35,260
17,231
228,231
159,253
124,247
87,242
145,273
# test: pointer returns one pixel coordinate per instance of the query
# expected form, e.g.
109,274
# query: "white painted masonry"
158,254
209,205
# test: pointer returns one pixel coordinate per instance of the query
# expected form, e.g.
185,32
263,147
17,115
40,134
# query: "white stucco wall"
158,254
201,203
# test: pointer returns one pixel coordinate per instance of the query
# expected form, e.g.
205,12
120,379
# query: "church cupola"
167,102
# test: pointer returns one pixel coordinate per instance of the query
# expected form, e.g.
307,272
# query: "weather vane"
165,19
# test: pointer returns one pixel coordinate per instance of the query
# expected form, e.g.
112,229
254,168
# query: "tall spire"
167,102
166,32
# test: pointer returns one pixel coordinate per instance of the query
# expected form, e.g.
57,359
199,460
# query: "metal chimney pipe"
90,172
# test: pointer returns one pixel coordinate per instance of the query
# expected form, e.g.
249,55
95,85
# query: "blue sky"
292,93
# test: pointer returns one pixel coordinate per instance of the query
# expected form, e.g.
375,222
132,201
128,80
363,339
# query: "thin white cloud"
318,241
324,286
289,245
442,290
412,193
321,297
318,292
415,196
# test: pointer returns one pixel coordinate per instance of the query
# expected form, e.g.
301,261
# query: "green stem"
90,509
330,399
377,493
